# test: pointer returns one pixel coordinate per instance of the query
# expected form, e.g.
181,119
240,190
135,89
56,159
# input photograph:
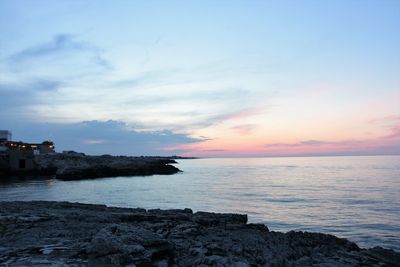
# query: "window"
22,164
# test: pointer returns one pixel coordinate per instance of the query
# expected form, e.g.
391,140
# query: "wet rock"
41,233
210,219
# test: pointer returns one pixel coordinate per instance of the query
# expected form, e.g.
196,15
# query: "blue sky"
209,78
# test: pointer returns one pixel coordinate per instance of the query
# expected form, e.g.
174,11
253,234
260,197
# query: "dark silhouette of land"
74,166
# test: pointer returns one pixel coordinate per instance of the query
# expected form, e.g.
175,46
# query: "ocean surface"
353,197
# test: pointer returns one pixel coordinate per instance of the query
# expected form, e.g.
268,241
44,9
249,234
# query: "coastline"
46,233
71,165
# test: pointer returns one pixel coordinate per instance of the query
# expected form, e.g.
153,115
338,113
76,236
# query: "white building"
5,135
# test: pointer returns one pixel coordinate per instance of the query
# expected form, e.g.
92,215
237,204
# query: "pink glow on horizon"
388,143
386,119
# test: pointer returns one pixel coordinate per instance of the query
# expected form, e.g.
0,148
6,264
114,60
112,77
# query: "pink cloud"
245,113
244,129
194,150
386,119
394,132
388,143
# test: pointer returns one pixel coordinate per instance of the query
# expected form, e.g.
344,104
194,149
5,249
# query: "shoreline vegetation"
71,165
43,233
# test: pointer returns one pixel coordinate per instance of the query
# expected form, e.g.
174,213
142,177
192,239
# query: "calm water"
353,197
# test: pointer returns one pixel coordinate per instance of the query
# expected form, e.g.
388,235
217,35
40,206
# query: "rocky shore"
75,166
43,233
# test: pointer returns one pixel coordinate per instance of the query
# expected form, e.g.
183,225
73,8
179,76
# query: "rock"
104,243
209,219
74,166
41,233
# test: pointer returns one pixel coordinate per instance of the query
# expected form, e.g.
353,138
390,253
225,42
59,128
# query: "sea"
355,197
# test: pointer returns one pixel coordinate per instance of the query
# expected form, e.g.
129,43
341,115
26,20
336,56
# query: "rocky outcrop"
73,234
73,166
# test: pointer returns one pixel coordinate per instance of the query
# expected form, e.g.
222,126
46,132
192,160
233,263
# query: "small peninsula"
19,158
76,166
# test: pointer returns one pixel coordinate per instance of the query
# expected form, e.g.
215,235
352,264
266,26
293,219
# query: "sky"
203,78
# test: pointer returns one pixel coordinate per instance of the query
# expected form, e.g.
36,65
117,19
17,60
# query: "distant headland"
21,159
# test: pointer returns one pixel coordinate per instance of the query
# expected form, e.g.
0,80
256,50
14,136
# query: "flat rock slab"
41,233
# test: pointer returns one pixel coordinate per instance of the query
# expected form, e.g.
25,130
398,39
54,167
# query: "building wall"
45,148
21,160
4,162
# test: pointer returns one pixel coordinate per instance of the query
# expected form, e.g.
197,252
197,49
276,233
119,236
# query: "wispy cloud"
228,115
385,119
391,123
386,144
17,97
103,97
247,112
65,56
62,43
299,144
32,85
244,129
394,132
193,149
93,141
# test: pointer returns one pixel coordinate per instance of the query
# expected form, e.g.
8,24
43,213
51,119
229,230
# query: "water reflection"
50,182
25,180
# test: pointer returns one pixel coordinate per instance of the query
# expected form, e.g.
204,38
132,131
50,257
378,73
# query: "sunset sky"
203,78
